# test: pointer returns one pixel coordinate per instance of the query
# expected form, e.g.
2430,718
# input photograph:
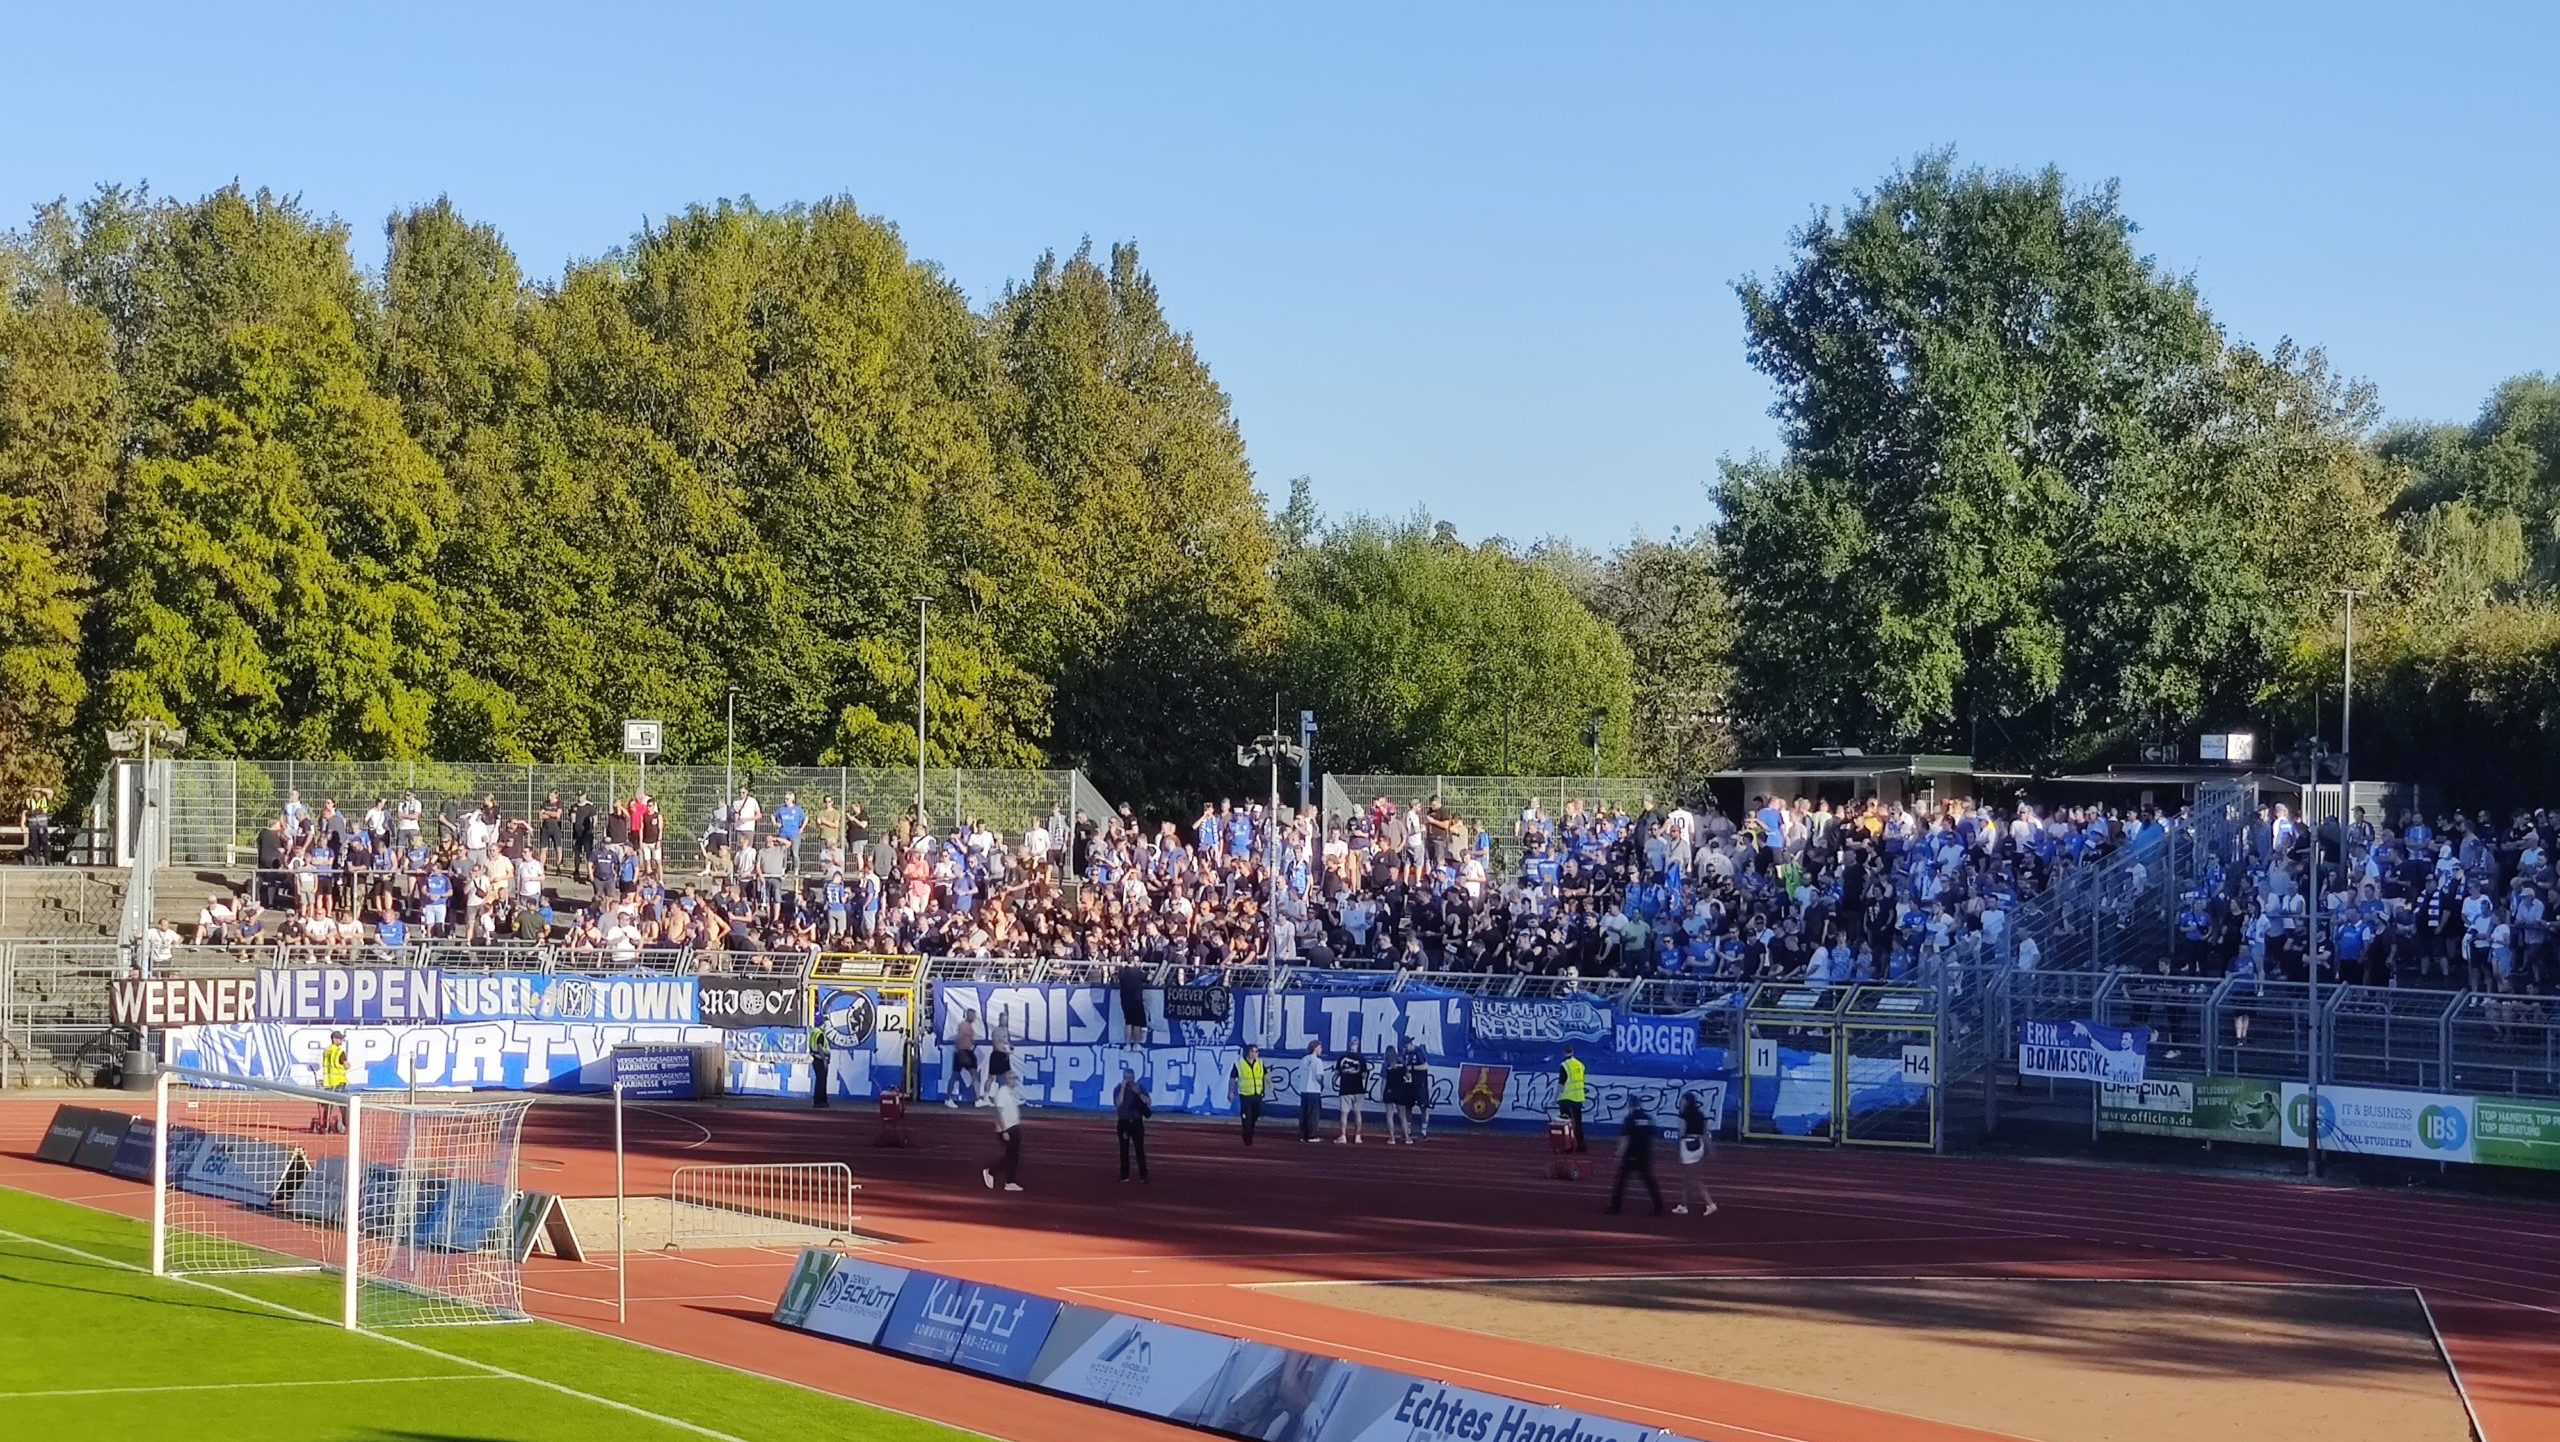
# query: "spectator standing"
1351,1085
964,1064
1311,1080
789,820
1245,1087
1129,1103
1402,1092
1572,1088
744,813
1696,1139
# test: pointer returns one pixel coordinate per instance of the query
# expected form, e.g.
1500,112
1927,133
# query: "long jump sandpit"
2043,1360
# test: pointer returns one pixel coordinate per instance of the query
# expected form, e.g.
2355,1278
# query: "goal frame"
350,1220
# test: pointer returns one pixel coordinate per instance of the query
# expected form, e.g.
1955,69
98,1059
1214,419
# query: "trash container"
137,1070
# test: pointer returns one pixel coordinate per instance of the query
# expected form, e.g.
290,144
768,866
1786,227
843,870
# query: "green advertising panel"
2213,1108
2509,1133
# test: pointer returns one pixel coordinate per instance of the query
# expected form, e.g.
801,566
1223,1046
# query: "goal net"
412,1206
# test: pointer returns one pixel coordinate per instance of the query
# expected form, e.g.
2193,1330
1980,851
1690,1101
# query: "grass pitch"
93,1345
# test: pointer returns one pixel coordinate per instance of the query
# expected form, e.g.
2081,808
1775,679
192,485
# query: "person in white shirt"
1006,1172
1312,1074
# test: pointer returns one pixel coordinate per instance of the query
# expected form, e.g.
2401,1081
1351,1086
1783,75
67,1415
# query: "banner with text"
2206,1109
500,1055
2083,1051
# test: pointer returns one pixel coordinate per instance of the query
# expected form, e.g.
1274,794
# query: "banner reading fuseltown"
2213,1108
2083,1051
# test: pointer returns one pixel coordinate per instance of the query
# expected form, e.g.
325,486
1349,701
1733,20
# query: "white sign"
644,738
855,1299
1764,1056
1919,1064
2422,1126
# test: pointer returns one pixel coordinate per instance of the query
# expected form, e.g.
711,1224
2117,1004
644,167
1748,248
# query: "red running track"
1218,1218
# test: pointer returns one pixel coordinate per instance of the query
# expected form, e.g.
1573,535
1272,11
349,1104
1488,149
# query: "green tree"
1153,614
61,426
2031,504
1423,654
1666,601
269,577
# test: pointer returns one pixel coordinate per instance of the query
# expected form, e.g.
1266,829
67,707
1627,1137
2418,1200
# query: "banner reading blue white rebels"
2083,1051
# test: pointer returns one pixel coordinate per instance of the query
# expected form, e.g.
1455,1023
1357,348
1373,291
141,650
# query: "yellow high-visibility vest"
1573,1084
1249,1076
333,1065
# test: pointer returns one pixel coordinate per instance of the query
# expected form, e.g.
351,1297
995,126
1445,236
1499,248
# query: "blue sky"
1471,257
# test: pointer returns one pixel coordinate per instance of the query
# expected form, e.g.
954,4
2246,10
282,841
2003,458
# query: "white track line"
683,1120
243,1386
2461,1390
474,1363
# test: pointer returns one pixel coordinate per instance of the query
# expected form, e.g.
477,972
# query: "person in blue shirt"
435,893
789,819
391,932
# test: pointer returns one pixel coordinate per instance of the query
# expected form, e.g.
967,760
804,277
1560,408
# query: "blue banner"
2084,1051
551,1056
350,995
1544,1024
1005,1332
539,996
928,1317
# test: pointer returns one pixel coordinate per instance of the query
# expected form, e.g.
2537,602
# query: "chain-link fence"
215,809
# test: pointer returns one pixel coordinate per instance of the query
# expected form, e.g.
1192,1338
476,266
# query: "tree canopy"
2032,502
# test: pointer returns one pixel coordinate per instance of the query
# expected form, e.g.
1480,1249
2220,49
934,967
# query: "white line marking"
684,1120
2478,1432
245,1386
475,1363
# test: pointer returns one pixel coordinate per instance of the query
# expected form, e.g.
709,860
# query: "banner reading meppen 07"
743,1003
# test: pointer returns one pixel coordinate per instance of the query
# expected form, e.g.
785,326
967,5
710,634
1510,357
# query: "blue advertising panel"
928,1317
653,1073
1004,1332
1136,1363
854,1301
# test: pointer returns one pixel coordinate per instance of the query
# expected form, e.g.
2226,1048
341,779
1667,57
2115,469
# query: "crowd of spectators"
1791,888
2455,902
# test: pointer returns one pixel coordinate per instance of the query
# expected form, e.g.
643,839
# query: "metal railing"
54,1008
59,901
215,809
1493,803
760,1204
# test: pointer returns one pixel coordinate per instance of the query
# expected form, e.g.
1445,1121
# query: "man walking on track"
964,1062
1245,1085
1696,1136
1130,1103
818,1058
1571,1090
1351,1084
1008,1168
1635,1159
1311,1080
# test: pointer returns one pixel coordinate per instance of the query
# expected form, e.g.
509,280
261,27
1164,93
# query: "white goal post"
412,1205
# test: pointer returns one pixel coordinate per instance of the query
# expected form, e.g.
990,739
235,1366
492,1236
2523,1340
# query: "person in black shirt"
1351,1087
1635,1158
1130,1105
